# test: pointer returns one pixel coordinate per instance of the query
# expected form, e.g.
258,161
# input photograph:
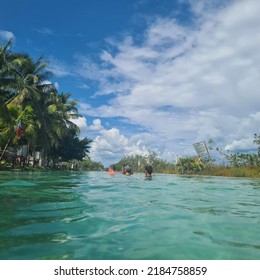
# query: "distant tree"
243,159
138,162
90,165
257,142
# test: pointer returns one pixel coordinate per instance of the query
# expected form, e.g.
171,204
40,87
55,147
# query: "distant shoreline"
235,172
220,171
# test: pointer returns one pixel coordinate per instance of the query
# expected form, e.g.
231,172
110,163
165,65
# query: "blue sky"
154,75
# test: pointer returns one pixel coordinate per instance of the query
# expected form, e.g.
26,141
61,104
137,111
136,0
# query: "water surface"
73,215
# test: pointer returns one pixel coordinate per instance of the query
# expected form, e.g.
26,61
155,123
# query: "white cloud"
96,125
81,122
110,145
6,35
244,144
244,133
185,84
56,84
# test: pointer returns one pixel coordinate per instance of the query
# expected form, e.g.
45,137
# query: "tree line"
233,164
34,113
138,163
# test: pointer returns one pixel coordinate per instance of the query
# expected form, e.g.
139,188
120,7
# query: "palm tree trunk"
5,148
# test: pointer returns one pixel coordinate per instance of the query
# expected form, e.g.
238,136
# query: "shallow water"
73,215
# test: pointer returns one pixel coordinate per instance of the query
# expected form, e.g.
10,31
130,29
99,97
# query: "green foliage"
138,162
89,165
70,147
45,114
189,165
83,165
243,159
238,159
257,142
218,170
194,165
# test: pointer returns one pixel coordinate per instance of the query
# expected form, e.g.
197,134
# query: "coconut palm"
53,112
28,77
6,78
20,81
27,94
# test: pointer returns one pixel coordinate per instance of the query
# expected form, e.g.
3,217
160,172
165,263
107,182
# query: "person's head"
112,168
148,170
127,168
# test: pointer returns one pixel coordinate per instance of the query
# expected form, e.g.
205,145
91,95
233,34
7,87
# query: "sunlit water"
71,215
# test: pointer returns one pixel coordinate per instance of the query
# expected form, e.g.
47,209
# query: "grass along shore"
250,172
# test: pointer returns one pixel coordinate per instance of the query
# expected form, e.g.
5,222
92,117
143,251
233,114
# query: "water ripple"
66,215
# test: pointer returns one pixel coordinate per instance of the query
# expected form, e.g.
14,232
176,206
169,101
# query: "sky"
149,75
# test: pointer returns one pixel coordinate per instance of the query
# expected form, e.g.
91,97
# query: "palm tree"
54,112
28,77
26,94
18,73
20,81
6,58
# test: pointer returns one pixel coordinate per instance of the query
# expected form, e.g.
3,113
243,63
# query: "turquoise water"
70,215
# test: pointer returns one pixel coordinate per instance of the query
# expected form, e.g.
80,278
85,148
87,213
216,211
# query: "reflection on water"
72,215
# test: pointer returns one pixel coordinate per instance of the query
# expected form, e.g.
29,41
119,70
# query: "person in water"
111,170
126,169
148,172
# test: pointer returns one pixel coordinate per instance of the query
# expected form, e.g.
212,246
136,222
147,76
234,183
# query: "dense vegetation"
28,98
138,162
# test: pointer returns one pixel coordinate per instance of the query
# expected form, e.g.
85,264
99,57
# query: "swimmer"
148,172
127,170
111,170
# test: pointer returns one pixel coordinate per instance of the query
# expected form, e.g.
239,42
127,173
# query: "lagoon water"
91,215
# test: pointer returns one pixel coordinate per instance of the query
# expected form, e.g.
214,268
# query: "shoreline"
229,172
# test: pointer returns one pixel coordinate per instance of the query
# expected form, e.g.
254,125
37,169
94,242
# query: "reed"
252,172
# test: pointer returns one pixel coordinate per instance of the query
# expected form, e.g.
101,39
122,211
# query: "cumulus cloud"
243,137
96,125
244,144
81,122
109,145
185,84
